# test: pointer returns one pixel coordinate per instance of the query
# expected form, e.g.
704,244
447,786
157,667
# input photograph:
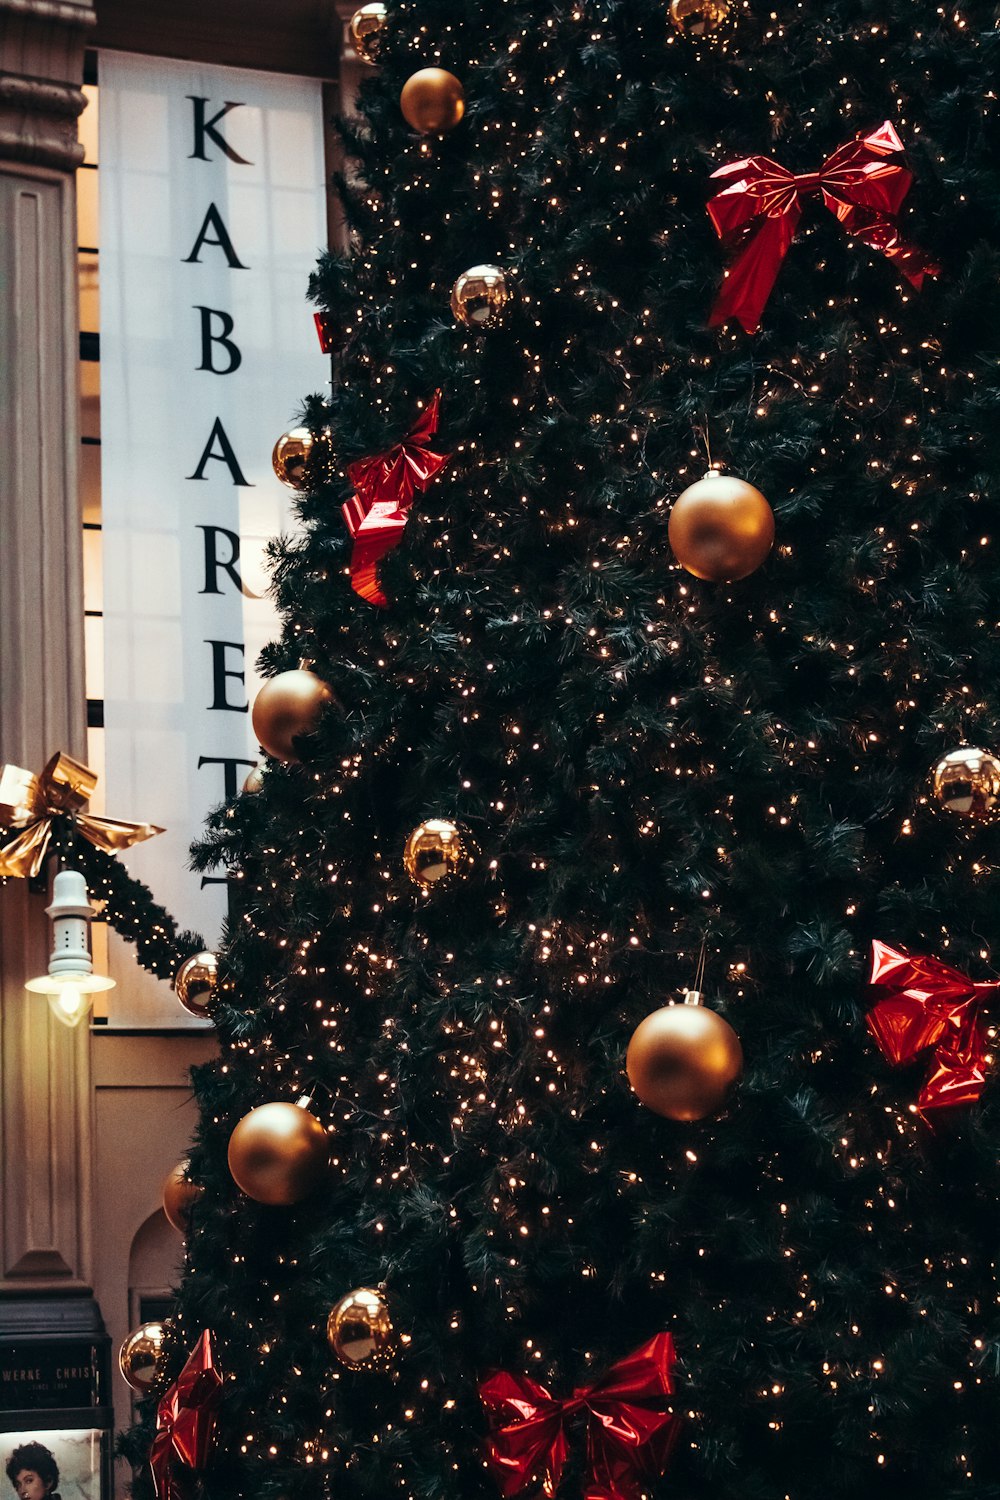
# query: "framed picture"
64,1464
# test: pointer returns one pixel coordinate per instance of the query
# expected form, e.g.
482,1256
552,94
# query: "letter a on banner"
212,214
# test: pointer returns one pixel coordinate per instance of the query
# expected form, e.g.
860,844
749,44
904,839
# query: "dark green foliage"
647,763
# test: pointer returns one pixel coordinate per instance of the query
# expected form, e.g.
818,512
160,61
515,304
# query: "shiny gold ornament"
359,1330
699,17
432,101
367,29
479,297
290,456
139,1355
966,782
279,1153
437,851
286,706
721,528
195,981
682,1060
254,781
179,1197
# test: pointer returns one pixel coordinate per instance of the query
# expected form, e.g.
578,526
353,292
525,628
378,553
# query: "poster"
67,1465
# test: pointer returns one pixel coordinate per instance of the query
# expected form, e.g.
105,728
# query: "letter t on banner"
213,212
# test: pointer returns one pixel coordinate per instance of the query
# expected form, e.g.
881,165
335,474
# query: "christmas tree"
544,772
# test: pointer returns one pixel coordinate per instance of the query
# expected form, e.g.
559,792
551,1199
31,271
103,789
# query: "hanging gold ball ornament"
367,29
432,101
480,297
139,1356
279,1153
290,456
195,981
683,1059
359,1330
721,528
438,851
966,782
699,17
286,706
254,781
179,1197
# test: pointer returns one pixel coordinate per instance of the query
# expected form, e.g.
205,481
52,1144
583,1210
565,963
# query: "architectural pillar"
45,1092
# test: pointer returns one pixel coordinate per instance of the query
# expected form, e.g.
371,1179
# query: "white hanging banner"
212,193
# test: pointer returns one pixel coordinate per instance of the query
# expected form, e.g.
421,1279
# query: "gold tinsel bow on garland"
29,803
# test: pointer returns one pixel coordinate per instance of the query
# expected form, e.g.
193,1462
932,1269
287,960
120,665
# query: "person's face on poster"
30,1486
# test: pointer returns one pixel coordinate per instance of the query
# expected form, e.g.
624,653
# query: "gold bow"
29,803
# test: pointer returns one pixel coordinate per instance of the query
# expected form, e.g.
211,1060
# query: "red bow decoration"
630,1428
185,1420
758,213
927,1004
328,342
387,486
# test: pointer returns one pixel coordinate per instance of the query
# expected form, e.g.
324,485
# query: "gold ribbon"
29,803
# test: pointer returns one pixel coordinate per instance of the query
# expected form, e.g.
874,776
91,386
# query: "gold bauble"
966,782
291,453
682,1060
432,101
479,297
195,981
367,28
255,780
279,1153
179,1197
721,528
438,850
286,706
359,1330
139,1355
699,17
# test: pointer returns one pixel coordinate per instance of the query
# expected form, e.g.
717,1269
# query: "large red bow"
386,486
185,1420
930,1005
630,1428
758,213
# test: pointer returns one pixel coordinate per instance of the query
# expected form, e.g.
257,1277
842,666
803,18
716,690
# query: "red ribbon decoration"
386,486
325,333
758,213
185,1420
630,1428
927,1004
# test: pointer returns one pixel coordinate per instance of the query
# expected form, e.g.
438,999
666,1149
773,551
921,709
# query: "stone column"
45,1092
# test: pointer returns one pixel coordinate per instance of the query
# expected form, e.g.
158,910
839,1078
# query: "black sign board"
50,1374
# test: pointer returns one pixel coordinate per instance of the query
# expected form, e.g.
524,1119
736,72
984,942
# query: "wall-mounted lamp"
71,980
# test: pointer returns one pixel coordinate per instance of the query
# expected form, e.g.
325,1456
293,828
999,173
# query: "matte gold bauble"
139,1355
291,453
195,981
438,850
359,1330
255,780
966,782
286,706
682,1060
279,1153
367,29
479,297
432,101
179,1197
699,17
721,528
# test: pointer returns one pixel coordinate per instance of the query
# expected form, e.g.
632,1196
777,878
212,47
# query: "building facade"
92,1118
